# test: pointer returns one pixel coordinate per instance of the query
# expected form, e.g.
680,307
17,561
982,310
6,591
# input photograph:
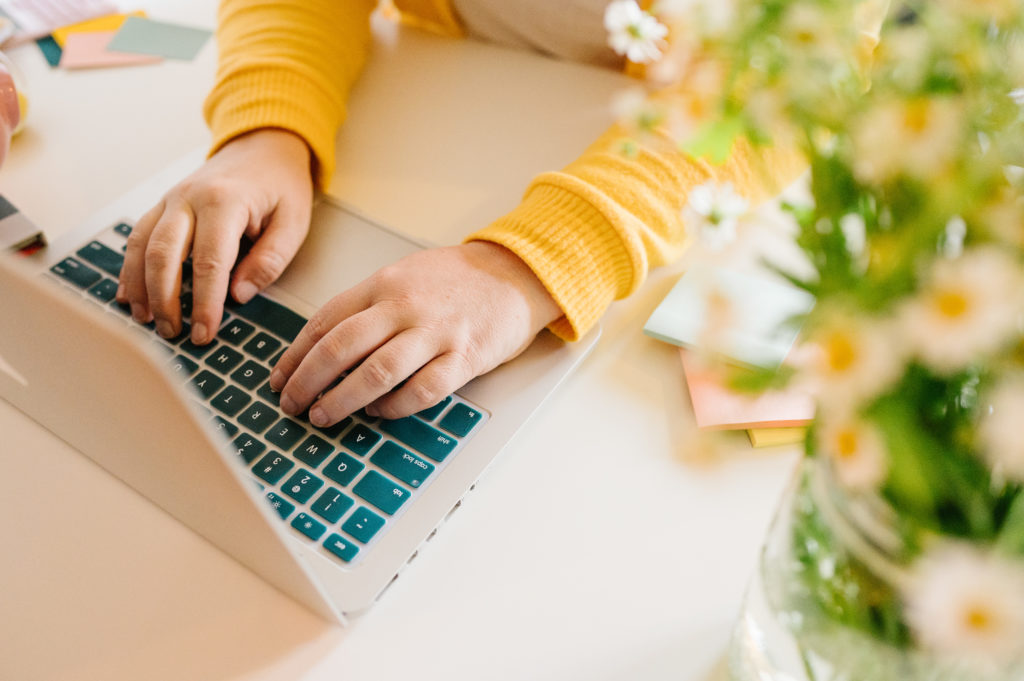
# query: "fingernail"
139,313
120,292
244,291
164,328
199,333
288,405
372,410
277,379
317,416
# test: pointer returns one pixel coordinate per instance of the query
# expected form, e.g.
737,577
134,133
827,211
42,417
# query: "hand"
437,318
10,111
258,185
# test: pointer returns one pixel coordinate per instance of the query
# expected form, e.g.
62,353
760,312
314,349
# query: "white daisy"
968,308
633,32
999,430
919,136
964,603
715,209
850,359
855,449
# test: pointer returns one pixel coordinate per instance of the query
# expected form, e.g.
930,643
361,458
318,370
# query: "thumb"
272,252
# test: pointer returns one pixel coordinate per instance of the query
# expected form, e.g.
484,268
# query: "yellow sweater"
590,232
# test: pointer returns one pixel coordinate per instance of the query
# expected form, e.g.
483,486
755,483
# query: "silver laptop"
329,516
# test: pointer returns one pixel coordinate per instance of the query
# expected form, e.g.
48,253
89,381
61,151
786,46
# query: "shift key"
421,437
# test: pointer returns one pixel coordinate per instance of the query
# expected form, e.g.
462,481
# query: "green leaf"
1011,535
714,139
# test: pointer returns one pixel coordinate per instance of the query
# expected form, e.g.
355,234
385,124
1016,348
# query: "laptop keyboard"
339,487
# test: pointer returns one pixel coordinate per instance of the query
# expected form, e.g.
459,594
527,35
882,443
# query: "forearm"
288,64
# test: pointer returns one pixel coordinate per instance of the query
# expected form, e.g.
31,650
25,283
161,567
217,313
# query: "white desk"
596,548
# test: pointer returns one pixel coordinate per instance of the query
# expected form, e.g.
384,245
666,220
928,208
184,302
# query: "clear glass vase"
823,604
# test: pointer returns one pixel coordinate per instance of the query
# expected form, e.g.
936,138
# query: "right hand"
258,185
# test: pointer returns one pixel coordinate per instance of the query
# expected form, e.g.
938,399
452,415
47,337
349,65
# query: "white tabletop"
600,546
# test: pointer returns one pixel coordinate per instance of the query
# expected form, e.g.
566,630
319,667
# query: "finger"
167,248
132,286
339,350
428,386
338,309
391,364
219,226
273,250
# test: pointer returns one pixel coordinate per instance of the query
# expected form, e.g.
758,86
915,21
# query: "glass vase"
823,603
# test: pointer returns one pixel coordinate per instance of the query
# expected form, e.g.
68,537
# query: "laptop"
328,516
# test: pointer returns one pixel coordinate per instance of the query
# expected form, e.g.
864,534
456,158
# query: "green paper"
50,49
138,35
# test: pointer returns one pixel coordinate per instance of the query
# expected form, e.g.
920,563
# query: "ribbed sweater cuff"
575,251
262,97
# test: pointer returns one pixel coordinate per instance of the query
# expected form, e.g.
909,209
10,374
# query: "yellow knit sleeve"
592,231
288,64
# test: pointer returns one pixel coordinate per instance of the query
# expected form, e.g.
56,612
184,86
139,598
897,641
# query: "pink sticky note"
88,50
716,407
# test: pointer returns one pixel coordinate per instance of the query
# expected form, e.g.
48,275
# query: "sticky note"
717,407
89,50
144,36
776,437
111,22
50,49
742,317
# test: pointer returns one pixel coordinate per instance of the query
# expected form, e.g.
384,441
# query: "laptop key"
183,366
361,439
229,429
230,401
420,436
401,463
258,417
236,331
285,434
431,413
123,229
332,504
337,429
224,359
269,395
363,524
343,469
302,485
284,508
461,420
272,467
248,447
381,492
341,547
207,383
314,451
273,316
104,290
197,351
250,375
75,272
108,260
262,345
308,526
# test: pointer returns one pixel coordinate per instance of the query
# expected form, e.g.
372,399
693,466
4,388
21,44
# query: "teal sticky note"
50,49
754,314
139,35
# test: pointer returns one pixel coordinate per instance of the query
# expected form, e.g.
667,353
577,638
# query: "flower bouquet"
899,552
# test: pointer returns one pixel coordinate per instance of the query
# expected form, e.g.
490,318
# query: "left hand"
437,318
10,111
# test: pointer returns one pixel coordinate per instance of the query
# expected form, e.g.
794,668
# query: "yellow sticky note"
111,22
771,437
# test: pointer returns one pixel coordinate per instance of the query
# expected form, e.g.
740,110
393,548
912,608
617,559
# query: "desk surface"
598,547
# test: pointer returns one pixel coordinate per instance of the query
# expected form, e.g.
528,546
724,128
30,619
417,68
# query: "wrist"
506,264
284,146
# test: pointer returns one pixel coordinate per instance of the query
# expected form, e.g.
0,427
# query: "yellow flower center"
978,618
916,116
846,444
840,352
951,304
